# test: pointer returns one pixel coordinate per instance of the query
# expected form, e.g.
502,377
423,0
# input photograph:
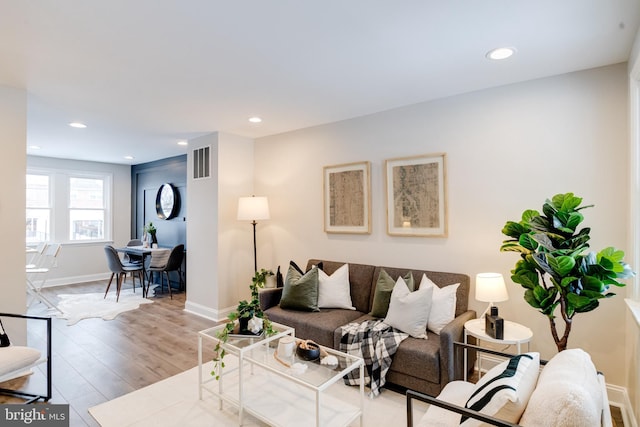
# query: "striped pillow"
504,391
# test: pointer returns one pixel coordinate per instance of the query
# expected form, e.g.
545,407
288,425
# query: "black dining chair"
174,263
121,270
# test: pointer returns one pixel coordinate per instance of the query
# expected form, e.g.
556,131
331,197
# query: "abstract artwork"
347,198
416,196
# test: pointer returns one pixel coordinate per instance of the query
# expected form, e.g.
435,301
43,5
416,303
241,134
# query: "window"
38,208
68,206
86,208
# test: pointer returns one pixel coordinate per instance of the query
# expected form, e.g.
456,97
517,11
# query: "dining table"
159,256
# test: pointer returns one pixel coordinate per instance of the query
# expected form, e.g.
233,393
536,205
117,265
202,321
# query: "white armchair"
568,392
16,361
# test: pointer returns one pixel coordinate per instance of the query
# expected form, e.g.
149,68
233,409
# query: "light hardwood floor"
95,360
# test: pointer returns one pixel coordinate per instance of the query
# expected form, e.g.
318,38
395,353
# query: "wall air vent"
202,162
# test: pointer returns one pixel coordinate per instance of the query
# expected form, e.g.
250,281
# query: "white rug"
76,307
175,402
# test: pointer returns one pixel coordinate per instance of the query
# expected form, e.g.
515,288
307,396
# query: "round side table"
514,334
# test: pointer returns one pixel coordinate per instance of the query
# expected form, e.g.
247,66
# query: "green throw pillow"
382,295
300,290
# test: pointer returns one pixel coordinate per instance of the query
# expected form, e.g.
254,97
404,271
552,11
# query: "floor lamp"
253,209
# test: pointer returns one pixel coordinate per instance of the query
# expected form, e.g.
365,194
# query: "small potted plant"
250,320
150,229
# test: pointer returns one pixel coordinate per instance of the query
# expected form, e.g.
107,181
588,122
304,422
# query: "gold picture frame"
347,198
416,196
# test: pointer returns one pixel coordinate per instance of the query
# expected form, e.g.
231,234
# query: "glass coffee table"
278,393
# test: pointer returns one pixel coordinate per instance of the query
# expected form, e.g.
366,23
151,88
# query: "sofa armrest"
451,362
411,395
269,297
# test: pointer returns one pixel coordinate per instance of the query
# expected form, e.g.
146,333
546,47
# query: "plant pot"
244,324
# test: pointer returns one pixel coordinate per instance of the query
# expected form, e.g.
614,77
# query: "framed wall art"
416,196
347,198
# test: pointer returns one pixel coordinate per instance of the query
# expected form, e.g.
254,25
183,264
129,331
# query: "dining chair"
37,276
174,263
131,258
36,255
121,270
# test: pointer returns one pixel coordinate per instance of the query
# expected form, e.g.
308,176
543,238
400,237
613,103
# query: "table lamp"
252,209
490,288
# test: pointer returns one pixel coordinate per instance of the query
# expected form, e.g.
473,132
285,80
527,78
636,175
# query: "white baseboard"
207,312
63,281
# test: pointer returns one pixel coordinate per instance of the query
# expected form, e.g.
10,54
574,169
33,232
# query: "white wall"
220,248
633,328
13,134
235,239
83,262
508,149
202,233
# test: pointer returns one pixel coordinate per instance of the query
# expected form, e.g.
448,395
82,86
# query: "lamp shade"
490,287
253,208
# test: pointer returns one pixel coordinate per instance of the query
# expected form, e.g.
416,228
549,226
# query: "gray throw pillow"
382,295
300,291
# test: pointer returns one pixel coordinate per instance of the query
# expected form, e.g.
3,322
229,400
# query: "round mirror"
167,201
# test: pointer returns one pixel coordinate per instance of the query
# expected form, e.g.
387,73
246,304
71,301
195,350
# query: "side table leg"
465,367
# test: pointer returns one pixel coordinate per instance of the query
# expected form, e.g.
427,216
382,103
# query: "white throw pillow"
409,311
443,308
568,393
504,391
334,291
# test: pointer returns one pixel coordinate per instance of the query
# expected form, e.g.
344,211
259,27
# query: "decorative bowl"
308,350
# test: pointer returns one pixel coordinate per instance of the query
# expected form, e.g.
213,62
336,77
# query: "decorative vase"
153,238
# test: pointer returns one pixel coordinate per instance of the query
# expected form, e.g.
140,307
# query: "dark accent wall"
146,179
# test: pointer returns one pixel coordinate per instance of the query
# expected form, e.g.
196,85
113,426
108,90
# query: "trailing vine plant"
245,310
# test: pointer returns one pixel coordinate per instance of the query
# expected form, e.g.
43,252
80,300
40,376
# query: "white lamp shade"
253,208
490,287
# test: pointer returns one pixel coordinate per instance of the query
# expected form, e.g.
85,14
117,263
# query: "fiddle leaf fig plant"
248,311
555,270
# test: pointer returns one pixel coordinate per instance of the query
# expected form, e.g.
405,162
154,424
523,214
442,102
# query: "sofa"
419,364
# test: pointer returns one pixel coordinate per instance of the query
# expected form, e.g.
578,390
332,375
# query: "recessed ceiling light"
255,119
183,143
34,147
77,125
501,53
129,157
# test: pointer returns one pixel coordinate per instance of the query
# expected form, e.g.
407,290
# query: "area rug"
75,307
174,402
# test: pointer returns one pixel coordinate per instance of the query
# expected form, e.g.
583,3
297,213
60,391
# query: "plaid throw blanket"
376,342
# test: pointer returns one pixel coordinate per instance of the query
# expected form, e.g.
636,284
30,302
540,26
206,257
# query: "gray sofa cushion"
419,358
318,326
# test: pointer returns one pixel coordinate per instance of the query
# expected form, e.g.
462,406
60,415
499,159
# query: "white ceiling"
144,74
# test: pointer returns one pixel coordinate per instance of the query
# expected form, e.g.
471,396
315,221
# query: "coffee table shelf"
276,394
